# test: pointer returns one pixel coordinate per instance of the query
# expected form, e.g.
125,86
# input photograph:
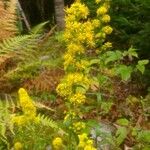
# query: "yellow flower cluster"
78,99
98,1
78,32
96,23
26,103
106,18
106,45
18,146
69,115
77,78
78,126
28,108
73,49
65,88
107,29
77,10
82,65
102,10
57,143
85,143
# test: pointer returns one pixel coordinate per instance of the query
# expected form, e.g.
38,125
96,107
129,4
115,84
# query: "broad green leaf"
113,56
144,136
131,52
106,106
94,61
121,134
143,62
124,71
123,122
141,65
141,68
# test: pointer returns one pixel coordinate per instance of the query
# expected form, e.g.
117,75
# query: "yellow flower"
107,45
19,120
107,29
89,147
64,89
75,48
78,98
96,23
28,107
78,10
57,143
85,143
78,126
98,1
18,146
106,18
69,59
69,115
82,65
102,10
82,140
74,78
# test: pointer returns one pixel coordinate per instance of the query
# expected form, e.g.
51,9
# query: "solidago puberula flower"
105,18
78,126
28,109
106,45
85,142
18,146
26,103
107,29
78,10
78,99
98,1
57,143
64,89
102,10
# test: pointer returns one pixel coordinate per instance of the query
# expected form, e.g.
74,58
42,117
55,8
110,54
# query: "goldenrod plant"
81,34
32,130
86,90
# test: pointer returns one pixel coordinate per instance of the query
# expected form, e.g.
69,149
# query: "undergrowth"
83,101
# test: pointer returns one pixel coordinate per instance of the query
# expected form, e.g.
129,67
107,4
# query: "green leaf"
122,122
121,134
141,65
113,56
131,52
99,98
143,62
106,106
124,71
94,61
2,130
144,136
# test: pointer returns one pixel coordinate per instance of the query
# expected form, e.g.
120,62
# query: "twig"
23,15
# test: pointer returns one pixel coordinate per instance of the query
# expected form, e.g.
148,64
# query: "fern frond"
46,121
8,19
38,28
22,46
5,117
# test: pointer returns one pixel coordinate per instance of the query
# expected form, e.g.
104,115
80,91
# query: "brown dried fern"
46,81
8,19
